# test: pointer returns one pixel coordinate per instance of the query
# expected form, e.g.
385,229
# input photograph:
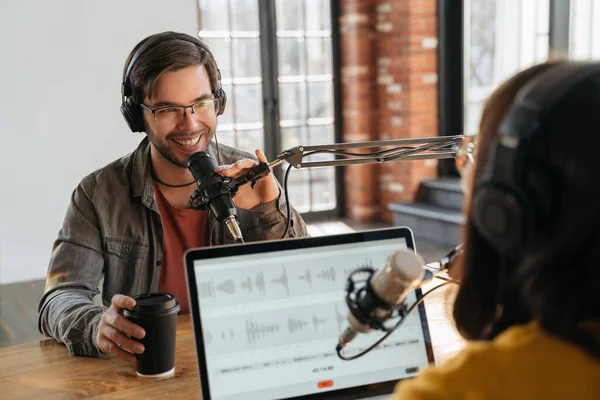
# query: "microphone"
214,192
385,290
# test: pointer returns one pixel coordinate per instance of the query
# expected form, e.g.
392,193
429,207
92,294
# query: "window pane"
250,140
291,56
227,117
214,15
292,137
318,17
246,58
289,14
297,187
248,103
321,134
320,100
319,55
292,101
220,50
322,188
227,138
483,43
244,14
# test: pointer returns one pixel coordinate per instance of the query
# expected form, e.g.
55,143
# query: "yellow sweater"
522,363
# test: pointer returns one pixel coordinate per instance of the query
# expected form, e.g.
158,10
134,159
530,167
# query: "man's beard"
163,146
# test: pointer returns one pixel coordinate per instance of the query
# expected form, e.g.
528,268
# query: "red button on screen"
325,384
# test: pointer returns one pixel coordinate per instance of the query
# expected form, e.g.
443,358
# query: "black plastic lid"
152,303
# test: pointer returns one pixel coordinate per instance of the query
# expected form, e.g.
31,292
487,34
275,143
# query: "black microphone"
384,290
214,192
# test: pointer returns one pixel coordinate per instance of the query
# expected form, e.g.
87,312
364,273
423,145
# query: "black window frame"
270,91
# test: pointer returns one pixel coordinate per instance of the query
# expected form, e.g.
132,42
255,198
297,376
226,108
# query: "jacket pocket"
125,268
123,247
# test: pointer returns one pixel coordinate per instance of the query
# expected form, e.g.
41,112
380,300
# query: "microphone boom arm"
441,147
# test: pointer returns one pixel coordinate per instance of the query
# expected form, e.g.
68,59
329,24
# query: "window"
306,94
584,37
304,80
502,37
230,28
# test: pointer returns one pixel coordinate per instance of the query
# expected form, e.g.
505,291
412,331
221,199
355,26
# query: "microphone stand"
401,150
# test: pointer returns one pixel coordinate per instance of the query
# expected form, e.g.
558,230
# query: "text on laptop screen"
270,323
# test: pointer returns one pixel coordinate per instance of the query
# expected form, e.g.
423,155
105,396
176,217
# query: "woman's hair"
171,54
556,278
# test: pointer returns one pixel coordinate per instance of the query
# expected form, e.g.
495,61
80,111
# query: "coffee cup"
157,314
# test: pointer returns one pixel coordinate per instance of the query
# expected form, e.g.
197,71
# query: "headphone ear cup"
222,96
133,115
504,219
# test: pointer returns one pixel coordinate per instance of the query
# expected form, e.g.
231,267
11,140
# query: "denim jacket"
112,231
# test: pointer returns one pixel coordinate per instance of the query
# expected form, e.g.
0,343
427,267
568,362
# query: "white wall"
60,73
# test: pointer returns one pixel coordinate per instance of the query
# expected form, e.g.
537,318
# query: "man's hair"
556,280
171,54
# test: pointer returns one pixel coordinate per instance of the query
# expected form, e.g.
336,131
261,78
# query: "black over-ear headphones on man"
132,111
514,195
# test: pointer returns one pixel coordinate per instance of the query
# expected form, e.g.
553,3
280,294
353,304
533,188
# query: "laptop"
267,316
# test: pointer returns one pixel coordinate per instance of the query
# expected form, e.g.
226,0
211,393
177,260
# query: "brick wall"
389,91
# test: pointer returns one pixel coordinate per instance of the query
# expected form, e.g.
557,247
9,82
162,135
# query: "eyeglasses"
172,115
466,152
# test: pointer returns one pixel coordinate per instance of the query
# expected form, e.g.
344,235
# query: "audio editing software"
271,323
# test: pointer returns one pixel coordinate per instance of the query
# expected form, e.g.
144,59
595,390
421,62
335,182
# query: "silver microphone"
387,287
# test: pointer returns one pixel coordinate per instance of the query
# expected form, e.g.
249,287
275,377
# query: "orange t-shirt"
183,229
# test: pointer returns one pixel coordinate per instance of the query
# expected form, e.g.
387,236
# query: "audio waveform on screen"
327,275
318,322
227,287
225,335
206,289
264,284
295,325
257,331
283,280
264,329
306,277
259,283
366,263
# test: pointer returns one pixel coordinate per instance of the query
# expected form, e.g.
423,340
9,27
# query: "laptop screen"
267,317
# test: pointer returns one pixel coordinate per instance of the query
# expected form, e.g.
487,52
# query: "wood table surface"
45,370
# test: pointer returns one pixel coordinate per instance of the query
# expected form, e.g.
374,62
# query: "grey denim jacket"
113,230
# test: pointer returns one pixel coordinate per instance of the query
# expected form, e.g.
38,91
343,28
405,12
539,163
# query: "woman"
533,323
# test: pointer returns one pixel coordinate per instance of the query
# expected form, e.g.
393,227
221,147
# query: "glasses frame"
214,101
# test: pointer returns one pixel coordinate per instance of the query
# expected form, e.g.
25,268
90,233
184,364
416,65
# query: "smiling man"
130,222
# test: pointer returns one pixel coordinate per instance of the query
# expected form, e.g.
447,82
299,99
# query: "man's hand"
264,191
115,331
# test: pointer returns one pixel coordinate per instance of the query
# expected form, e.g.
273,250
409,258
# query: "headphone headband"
539,96
154,41
515,193
130,110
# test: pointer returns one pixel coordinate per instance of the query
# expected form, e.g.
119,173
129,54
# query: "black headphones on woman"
514,195
132,111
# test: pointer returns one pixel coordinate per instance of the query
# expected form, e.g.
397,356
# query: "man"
130,222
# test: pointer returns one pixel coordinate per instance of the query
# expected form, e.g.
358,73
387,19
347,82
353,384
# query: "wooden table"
45,370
